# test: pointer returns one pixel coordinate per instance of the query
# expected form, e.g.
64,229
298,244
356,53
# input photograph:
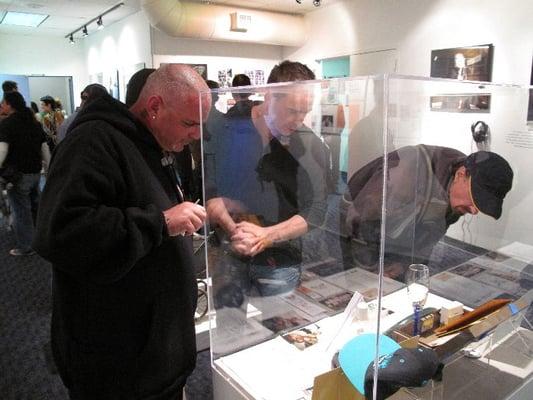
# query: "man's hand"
184,219
249,239
218,210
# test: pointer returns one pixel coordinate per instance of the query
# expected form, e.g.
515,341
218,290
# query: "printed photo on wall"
225,76
113,84
200,68
461,103
530,108
472,63
257,76
327,121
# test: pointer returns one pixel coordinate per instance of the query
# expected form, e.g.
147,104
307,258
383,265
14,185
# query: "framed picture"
461,103
225,76
257,76
473,63
327,121
200,68
112,84
530,107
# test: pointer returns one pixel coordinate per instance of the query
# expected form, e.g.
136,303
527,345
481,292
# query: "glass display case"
322,195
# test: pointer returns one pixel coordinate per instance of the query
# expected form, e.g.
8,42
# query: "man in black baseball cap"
491,177
480,184
428,189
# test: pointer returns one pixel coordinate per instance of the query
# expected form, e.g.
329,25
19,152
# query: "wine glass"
417,280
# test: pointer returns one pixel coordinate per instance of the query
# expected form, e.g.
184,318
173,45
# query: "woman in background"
51,118
22,151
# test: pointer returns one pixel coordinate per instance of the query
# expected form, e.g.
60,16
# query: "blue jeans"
24,199
270,273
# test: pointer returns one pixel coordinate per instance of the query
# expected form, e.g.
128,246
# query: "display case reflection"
403,205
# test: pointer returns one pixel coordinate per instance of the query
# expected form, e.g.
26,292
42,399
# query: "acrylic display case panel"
317,207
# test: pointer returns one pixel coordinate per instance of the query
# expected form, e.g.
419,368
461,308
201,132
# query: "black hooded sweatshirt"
124,292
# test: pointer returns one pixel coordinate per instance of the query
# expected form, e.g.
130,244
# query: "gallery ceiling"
68,15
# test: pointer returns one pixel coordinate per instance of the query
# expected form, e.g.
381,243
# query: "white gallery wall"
40,55
218,55
415,27
412,28
117,50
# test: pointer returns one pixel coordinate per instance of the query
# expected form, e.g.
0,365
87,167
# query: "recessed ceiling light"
23,19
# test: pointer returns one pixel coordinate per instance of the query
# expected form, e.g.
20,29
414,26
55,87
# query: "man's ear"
153,106
461,172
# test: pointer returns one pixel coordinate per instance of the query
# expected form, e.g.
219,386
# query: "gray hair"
173,82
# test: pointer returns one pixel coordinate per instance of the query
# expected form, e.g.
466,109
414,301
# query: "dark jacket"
25,137
124,292
241,109
418,211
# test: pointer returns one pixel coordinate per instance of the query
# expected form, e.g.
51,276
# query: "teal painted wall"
336,67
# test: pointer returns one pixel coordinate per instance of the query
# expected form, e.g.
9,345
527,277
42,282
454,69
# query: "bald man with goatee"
115,226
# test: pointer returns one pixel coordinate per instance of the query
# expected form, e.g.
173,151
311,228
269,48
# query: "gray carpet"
24,326
25,307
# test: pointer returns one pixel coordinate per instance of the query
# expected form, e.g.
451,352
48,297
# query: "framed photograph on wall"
461,103
200,68
530,107
472,63
112,84
225,76
329,119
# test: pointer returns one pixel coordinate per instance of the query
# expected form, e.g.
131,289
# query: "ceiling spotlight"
98,19
316,3
71,39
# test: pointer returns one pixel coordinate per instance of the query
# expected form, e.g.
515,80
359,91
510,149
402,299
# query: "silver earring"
153,116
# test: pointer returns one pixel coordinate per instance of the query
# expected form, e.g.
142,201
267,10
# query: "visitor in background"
51,119
8,86
243,105
22,151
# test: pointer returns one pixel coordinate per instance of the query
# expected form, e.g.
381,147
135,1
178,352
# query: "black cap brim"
485,201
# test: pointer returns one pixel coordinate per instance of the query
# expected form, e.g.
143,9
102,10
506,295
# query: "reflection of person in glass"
460,66
428,189
270,186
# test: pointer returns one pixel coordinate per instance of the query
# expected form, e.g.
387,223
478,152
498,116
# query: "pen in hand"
184,233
